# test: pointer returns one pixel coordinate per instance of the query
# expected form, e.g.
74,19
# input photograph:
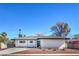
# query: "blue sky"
33,18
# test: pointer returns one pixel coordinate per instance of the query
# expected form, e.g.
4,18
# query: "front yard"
48,51
32,51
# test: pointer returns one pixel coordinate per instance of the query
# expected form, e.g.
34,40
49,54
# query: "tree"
3,37
4,34
61,29
76,36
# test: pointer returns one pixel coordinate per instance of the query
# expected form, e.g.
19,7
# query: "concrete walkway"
12,50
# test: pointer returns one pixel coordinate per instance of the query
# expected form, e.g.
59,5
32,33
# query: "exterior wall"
70,45
76,46
34,44
26,44
18,44
52,43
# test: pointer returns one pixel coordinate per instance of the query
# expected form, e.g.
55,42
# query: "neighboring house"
40,41
74,43
3,45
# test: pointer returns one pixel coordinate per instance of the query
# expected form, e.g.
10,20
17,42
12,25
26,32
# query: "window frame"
22,41
31,41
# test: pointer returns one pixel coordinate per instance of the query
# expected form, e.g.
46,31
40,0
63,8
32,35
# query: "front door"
38,43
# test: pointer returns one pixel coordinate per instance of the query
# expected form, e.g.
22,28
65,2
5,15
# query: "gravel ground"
48,51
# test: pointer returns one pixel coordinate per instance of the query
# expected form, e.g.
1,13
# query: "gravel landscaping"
49,51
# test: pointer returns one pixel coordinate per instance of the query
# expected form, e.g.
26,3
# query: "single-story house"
41,41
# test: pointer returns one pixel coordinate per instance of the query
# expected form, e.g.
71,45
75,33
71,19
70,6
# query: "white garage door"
51,43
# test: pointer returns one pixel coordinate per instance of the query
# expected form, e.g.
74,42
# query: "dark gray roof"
39,37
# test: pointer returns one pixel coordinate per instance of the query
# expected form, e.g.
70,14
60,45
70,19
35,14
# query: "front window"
22,41
31,41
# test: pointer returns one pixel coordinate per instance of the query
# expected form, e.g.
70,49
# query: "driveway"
12,50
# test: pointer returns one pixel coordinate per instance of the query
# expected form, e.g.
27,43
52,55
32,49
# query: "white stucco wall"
52,43
18,44
26,44
34,44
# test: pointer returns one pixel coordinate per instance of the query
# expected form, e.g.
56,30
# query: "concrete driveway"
11,50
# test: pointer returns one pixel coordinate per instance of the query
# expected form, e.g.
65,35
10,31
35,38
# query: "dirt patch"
48,51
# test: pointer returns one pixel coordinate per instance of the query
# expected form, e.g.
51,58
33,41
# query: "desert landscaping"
49,51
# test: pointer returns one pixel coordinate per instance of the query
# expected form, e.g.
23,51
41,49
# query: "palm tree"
3,37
